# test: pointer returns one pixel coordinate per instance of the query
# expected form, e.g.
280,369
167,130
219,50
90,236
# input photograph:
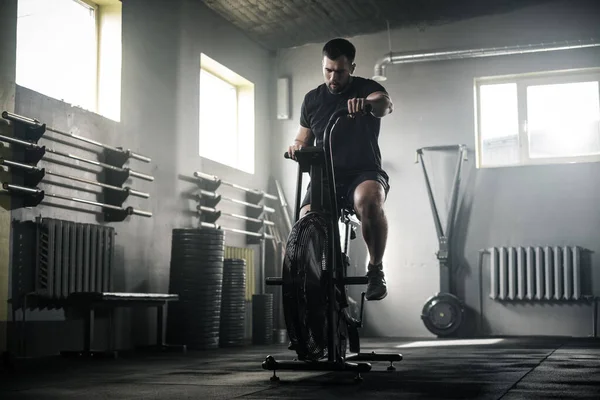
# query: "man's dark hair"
336,48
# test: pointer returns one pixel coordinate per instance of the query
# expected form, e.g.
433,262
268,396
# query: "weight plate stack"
196,275
233,303
262,318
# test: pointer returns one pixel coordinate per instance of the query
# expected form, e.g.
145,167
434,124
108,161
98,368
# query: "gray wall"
555,204
162,42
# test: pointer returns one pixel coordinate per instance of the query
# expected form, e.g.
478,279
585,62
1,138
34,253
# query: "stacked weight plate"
262,318
197,277
233,303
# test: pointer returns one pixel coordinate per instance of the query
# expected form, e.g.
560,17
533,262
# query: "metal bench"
88,302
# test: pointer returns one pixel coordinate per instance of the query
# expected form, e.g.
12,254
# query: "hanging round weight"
443,314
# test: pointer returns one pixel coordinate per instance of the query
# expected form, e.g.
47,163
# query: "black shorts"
345,186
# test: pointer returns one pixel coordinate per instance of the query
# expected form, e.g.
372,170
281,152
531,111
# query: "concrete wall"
555,204
162,42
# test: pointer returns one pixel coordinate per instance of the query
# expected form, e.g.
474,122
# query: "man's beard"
337,90
340,88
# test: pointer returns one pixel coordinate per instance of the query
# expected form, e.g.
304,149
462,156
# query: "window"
226,116
544,118
70,50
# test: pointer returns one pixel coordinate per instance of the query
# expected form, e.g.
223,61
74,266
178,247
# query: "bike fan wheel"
305,297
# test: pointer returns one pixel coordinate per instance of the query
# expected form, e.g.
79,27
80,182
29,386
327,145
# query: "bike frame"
322,168
318,161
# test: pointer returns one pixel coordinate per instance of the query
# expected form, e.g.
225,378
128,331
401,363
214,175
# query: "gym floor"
509,368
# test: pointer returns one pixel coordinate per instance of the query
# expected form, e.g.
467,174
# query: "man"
361,182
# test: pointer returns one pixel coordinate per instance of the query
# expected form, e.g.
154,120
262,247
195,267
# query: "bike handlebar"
338,114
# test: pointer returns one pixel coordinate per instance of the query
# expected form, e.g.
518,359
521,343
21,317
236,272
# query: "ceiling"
277,24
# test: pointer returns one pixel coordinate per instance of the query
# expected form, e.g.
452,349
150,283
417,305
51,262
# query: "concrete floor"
512,368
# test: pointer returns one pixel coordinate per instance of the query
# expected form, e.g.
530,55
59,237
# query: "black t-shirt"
355,140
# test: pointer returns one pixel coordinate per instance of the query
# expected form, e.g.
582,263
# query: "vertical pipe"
531,275
540,274
576,273
549,272
39,253
512,273
558,273
51,246
80,257
73,258
567,273
93,256
503,274
99,258
493,273
58,261
86,257
521,288
262,265
106,258
66,264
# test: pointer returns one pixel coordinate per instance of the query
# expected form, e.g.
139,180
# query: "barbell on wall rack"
74,157
32,122
42,171
41,194
214,211
212,178
240,231
214,195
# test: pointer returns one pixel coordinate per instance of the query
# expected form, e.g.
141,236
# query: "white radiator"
535,273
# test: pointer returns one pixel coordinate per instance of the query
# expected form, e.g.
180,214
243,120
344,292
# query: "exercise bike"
315,302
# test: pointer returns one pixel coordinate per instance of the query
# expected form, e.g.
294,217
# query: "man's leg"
369,199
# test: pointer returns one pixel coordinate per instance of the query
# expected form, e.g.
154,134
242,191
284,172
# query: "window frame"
523,81
245,114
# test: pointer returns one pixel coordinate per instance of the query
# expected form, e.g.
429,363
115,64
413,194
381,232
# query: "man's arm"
382,104
304,138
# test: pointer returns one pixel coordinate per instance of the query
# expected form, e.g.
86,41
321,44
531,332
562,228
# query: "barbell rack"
39,194
216,180
240,231
37,124
74,157
215,196
213,210
42,171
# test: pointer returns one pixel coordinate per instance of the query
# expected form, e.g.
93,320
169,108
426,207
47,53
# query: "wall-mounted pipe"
444,55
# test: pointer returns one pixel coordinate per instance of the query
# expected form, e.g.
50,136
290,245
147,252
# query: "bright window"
538,119
226,116
70,50
57,50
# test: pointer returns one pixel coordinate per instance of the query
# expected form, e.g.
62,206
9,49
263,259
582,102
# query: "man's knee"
304,210
369,198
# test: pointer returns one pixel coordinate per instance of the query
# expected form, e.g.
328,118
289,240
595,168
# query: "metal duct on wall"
444,55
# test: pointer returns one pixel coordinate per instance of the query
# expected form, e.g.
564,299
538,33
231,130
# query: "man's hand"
356,106
297,145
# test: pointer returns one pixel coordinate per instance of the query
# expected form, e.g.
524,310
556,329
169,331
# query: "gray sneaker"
376,288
